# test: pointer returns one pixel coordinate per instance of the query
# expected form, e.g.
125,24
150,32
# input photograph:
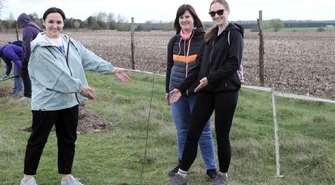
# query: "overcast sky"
143,10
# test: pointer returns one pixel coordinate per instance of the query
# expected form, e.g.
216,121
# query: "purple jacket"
10,53
30,31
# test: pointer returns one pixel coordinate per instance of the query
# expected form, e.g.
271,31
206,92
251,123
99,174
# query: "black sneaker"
211,174
174,171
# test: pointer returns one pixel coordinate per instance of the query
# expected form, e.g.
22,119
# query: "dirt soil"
88,121
4,92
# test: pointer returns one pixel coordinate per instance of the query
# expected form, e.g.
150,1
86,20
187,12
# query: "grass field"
141,148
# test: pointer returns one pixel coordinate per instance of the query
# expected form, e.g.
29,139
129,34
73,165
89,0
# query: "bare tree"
35,18
1,6
102,16
10,21
111,21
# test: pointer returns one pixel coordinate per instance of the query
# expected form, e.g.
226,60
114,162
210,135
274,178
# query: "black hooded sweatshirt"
30,31
218,60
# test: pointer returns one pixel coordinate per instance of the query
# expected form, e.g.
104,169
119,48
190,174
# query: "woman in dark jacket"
30,31
182,52
218,82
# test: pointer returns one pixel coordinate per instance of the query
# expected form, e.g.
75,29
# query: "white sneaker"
30,182
24,99
73,181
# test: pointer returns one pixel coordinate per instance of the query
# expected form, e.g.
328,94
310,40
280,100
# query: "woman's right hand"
176,94
167,98
87,92
203,83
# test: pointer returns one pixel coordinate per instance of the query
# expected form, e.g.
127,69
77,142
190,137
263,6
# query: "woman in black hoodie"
30,31
216,74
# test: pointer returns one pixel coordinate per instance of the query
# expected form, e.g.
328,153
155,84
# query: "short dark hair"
181,10
53,10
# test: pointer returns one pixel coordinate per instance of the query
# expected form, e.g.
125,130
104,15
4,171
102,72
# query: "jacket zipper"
210,57
67,63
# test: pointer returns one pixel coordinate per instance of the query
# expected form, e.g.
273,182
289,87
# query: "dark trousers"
26,79
224,105
66,122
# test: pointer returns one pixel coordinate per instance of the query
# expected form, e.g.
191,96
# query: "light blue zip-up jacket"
56,79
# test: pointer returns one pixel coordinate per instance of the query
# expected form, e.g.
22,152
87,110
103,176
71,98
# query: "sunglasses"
219,12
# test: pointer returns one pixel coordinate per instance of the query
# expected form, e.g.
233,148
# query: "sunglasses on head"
219,12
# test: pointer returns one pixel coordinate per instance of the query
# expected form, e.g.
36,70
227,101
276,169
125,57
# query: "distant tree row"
108,21
154,25
274,24
277,24
290,23
101,21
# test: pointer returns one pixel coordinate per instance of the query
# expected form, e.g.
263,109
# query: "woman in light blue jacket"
56,68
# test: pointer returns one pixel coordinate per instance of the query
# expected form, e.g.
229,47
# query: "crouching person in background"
9,53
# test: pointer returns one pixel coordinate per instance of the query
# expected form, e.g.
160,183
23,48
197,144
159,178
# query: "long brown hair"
181,10
213,31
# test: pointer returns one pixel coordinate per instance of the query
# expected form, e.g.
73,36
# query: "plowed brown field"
299,63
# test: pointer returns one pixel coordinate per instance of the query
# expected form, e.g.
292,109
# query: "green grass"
138,110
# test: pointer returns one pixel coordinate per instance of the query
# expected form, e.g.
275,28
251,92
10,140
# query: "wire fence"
275,123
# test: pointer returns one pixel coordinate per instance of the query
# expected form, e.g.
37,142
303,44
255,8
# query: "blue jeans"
181,111
18,82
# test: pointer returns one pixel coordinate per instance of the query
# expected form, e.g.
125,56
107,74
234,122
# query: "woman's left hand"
120,73
203,83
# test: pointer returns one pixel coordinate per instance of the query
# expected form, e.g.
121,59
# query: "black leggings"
26,79
66,122
224,105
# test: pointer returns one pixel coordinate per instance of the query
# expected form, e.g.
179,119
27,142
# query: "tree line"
277,24
101,21
108,21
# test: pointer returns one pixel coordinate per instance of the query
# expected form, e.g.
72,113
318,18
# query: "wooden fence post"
132,44
17,31
261,50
